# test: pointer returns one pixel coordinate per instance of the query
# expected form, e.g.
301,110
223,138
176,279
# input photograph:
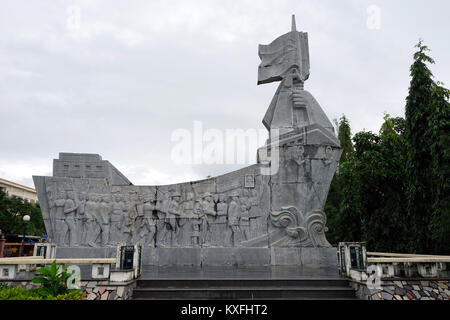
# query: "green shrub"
53,286
53,280
71,295
19,293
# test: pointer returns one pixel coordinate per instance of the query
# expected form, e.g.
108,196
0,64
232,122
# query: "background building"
18,190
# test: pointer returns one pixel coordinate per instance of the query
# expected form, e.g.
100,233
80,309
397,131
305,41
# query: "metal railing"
17,249
405,255
357,263
40,260
127,262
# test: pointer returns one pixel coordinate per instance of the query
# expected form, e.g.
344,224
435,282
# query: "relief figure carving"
197,222
104,219
60,229
185,221
148,231
52,214
173,212
81,203
69,211
89,231
208,226
234,216
220,222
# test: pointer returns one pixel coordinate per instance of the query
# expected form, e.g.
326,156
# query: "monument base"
275,256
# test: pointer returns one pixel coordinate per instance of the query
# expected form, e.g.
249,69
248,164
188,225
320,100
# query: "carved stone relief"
245,208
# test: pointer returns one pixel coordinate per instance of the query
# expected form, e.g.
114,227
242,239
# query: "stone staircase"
246,289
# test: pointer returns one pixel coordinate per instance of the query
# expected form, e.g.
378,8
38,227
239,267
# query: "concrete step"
205,283
243,289
262,299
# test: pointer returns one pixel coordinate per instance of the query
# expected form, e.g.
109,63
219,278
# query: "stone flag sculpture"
288,53
270,213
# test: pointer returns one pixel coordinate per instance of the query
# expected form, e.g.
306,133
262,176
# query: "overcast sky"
120,79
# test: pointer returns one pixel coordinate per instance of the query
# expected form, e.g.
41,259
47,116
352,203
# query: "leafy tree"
373,191
392,191
368,191
439,122
427,138
335,193
12,209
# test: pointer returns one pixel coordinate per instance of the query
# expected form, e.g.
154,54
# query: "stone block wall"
405,289
104,290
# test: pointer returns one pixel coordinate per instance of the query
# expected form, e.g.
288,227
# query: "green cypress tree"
427,144
439,124
345,137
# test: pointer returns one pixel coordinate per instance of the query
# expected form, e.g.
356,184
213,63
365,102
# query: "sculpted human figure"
221,222
294,164
128,227
298,155
245,218
104,218
257,224
197,224
115,232
173,212
148,231
131,206
234,216
139,200
303,166
128,219
161,207
60,223
97,218
52,211
70,209
89,230
209,226
81,203
222,207
328,155
185,221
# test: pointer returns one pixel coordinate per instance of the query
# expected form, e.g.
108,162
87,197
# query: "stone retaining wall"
92,290
104,290
405,289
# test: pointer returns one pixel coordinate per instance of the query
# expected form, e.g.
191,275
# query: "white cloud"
22,171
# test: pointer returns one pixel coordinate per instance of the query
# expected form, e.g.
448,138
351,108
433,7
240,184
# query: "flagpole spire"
294,28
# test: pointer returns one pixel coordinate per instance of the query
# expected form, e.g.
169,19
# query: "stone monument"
270,213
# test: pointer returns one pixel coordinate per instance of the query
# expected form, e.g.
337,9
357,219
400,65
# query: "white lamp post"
25,219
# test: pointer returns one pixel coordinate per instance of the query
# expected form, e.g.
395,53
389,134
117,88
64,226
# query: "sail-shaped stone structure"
270,213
